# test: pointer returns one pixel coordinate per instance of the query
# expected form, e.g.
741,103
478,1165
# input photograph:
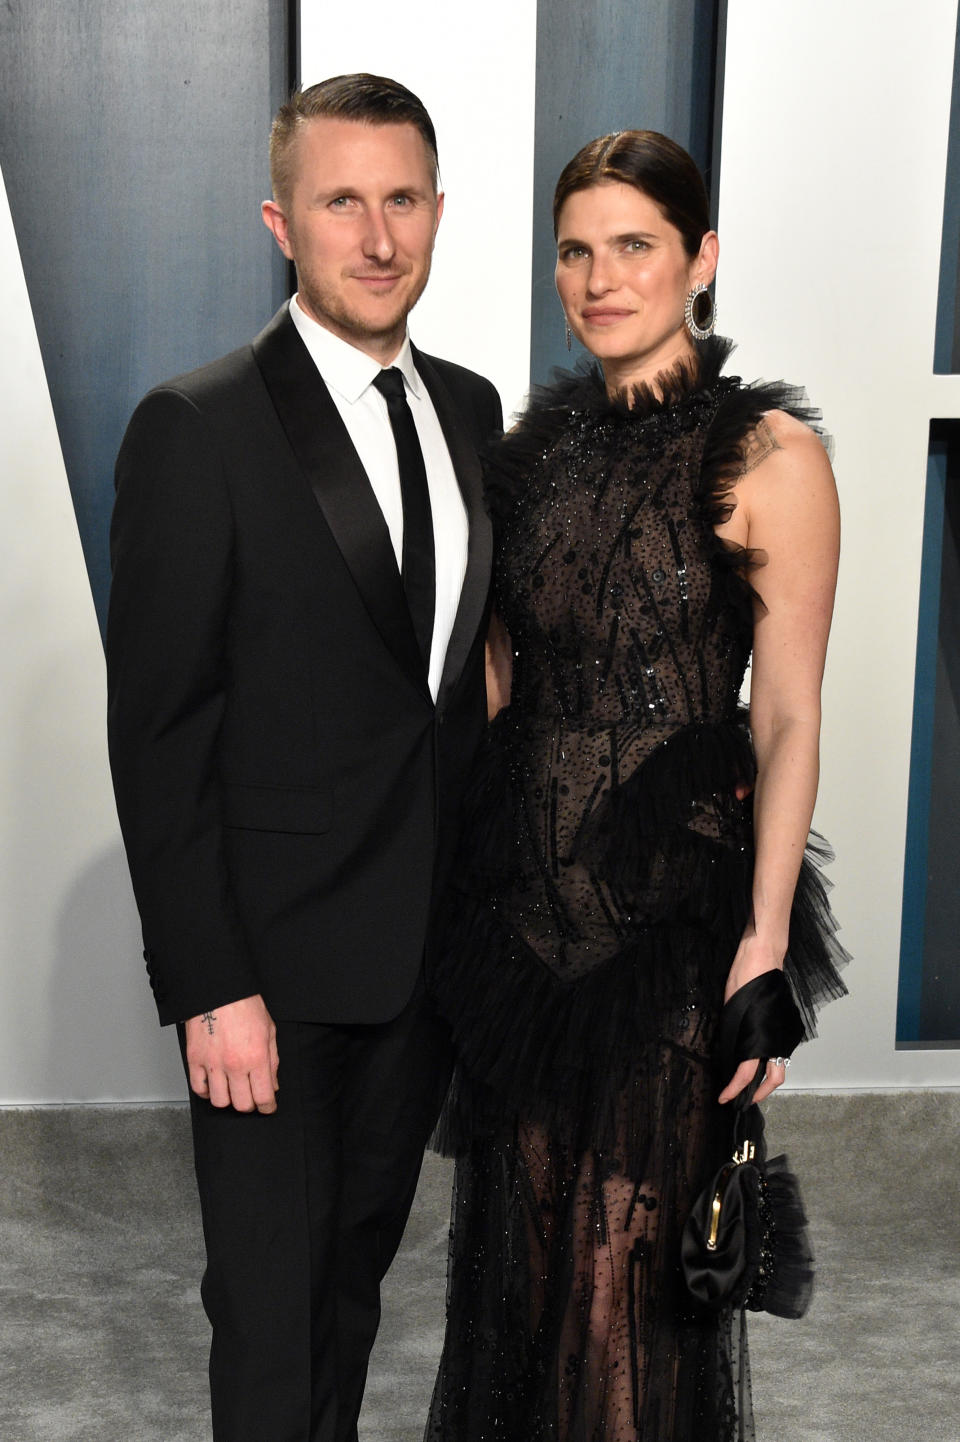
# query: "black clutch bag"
745,1242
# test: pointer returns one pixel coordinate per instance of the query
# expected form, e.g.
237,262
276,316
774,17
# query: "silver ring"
783,1061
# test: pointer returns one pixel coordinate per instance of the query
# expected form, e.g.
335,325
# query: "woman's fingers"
741,1078
773,1077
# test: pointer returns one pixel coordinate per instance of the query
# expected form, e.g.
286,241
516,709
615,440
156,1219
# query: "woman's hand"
499,666
744,1075
754,957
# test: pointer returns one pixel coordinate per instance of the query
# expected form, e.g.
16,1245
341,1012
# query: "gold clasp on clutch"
746,1154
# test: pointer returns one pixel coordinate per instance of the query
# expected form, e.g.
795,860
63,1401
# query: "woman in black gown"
634,842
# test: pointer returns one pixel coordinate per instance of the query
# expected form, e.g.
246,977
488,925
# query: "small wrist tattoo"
208,1018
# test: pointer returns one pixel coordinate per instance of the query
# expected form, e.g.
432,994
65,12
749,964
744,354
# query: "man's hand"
232,1056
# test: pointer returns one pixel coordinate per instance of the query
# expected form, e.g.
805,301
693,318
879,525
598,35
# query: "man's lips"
379,281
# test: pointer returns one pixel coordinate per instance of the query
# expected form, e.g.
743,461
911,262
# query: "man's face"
359,225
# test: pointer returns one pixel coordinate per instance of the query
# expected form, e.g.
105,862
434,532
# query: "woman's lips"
603,317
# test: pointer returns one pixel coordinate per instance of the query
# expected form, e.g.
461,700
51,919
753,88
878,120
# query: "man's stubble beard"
328,308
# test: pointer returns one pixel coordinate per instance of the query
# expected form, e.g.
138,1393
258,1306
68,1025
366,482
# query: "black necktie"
418,569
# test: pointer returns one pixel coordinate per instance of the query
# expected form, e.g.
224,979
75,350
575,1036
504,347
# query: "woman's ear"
705,265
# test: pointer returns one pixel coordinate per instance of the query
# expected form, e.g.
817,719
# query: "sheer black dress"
602,890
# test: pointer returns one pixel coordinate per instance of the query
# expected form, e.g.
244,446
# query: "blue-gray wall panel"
940,1007
133,142
928,1009
605,66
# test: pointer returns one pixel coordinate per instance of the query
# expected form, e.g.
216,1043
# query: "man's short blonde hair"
373,99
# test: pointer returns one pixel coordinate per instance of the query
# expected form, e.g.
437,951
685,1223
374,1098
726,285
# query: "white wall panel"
834,152
76,1017
474,69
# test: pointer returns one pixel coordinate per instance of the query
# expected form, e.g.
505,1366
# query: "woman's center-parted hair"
369,99
653,164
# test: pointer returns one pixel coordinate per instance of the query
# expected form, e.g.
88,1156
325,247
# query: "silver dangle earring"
700,313
567,332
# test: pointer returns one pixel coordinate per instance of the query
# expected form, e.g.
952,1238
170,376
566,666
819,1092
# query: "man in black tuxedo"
295,655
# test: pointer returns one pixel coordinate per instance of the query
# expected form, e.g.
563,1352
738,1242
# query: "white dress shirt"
348,374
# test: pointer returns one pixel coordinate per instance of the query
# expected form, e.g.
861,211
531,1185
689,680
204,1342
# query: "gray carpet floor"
102,1338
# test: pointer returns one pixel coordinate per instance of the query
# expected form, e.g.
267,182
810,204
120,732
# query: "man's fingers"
263,1088
218,1090
245,1092
241,1096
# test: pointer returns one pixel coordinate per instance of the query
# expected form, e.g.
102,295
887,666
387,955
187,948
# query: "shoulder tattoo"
760,443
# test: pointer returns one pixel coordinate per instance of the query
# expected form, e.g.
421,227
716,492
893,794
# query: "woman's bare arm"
787,508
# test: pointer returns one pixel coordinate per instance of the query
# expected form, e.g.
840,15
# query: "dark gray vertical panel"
712,172
133,143
947,342
611,65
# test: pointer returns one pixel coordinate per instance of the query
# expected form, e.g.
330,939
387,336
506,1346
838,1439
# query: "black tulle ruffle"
567,1055
787,1293
577,403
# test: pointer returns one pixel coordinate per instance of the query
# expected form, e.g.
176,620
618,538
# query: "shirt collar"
343,367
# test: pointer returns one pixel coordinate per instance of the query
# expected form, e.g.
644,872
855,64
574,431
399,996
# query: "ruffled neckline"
584,388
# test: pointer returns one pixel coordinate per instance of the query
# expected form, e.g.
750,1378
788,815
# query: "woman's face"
623,276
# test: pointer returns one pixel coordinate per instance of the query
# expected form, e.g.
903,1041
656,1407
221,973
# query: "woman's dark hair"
651,163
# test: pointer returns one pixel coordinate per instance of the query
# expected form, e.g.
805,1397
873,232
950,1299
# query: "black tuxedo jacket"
287,789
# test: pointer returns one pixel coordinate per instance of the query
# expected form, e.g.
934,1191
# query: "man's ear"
439,212
276,222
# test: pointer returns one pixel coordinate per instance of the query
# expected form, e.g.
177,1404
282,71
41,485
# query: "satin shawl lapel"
326,454
476,581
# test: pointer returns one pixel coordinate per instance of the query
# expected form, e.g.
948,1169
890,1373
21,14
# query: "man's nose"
378,242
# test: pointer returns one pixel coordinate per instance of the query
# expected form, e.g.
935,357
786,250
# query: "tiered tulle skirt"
583,1114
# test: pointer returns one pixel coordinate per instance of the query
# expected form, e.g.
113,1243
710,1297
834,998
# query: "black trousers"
303,1212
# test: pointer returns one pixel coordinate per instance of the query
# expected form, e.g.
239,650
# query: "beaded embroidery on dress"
602,889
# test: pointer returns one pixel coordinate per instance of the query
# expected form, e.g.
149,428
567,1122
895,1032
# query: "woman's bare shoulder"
779,439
